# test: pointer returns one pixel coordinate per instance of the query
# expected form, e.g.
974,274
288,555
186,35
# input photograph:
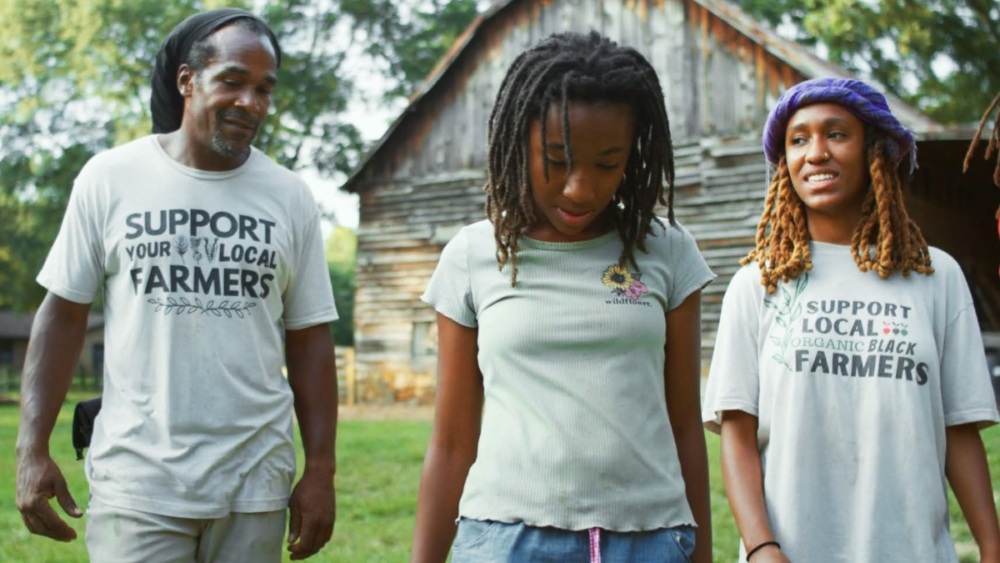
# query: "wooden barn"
720,70
15,330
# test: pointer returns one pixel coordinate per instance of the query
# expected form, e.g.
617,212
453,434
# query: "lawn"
377,484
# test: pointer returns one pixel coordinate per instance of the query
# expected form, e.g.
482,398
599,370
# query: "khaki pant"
119,535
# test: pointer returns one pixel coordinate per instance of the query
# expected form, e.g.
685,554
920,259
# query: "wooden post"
350,376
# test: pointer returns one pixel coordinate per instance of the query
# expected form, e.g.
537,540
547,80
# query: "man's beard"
219,143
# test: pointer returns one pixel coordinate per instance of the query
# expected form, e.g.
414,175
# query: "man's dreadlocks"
994,138
588,68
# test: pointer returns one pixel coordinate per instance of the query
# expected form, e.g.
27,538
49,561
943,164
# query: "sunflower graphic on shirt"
624,283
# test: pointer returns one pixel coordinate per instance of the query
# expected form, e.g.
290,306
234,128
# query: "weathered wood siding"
720,188
427,180
958,213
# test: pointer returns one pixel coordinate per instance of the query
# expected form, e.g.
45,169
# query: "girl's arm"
682,380
744,479
969,476
452,449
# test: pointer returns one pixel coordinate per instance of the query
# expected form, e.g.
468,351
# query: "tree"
943,56
410,38
29,223
341,249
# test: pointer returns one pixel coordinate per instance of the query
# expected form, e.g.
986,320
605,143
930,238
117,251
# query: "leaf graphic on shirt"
185,305
181,245
787,311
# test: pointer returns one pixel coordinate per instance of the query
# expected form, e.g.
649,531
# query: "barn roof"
794,55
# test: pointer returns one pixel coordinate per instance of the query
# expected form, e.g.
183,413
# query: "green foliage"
308,125
411,42
341,248
906,45
34,192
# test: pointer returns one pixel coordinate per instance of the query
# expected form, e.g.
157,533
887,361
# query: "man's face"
229,98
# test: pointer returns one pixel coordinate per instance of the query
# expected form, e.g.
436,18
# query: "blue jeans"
479,541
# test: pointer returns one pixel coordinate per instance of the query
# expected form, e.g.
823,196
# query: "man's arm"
53,351
312,374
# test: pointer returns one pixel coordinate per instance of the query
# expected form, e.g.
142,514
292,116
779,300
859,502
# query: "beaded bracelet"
761,546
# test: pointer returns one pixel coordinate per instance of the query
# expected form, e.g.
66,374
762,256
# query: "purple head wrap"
866,103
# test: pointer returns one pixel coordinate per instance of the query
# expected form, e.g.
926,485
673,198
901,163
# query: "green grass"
379,465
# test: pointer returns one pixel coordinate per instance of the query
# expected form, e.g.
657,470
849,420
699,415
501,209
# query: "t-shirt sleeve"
966,390
690,272
450,288
309,297
733,379
74,267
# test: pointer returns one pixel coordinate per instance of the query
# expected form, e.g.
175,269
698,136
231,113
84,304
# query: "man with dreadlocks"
567,423
209,258
849,379
993,147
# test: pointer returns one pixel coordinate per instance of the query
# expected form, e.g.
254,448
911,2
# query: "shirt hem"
983,418
65,292
581,524
712,417
693,288
450,314
298,324
177,510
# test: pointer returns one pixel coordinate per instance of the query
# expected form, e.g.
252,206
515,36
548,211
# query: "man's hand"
39,480
313,511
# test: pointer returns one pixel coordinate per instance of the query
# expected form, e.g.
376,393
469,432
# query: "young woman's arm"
452,449
969,476
682,377
744,479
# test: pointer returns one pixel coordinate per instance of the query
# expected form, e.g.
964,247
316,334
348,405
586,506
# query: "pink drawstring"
595,545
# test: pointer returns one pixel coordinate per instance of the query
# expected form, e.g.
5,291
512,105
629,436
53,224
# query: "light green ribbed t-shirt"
575,432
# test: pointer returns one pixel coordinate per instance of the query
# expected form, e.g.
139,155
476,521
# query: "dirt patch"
386,412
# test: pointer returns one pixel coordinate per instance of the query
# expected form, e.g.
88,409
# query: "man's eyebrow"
235,69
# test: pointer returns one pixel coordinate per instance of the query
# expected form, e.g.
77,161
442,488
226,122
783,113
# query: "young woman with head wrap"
849,381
